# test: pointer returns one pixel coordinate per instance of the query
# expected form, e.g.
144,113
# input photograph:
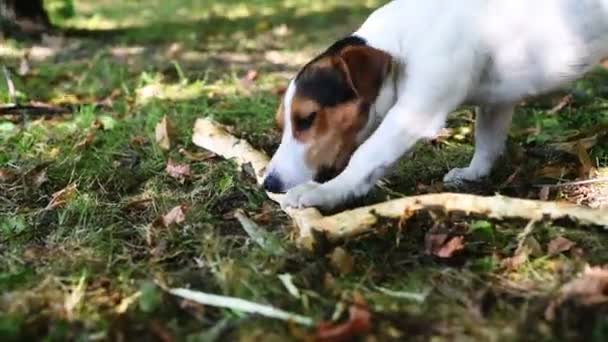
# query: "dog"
354,110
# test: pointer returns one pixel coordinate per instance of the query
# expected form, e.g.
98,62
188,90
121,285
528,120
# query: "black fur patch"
327,86
324,85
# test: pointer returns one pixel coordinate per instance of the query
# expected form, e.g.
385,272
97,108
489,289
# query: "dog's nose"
273,183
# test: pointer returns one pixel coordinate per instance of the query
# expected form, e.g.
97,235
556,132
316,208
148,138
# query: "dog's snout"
273,183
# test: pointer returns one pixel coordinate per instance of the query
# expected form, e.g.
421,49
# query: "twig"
241,305
309,222
33,110
582,182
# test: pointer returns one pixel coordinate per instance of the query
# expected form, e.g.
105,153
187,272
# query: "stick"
213,137
242,305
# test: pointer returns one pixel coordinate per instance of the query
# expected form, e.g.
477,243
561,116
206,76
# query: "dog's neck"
387,96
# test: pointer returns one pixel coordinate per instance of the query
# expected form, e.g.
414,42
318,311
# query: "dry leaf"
180,172
591,288
433,242
7,176
439,245
163,133
87,141
38,175
559,245
342,261
451,247
138,204
61,197
137,140
359,323
176,215
197,156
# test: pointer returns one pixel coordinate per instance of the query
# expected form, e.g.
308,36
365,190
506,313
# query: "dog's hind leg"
491,128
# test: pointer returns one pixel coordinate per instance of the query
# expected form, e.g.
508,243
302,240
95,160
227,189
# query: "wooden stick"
213,137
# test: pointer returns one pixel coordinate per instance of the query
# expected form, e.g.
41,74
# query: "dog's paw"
461,176
311,194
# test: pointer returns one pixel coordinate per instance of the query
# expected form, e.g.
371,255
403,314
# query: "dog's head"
324,114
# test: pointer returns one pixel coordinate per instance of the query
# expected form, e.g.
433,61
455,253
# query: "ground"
85,254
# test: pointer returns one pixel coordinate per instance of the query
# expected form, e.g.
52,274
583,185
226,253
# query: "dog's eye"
305,123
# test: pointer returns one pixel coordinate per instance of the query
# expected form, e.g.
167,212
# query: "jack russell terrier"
354,110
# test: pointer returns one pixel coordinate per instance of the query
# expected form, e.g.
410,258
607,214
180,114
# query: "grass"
92,268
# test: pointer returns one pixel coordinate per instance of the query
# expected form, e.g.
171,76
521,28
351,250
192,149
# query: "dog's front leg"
397,134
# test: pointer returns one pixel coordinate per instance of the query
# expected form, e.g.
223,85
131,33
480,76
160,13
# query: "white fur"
490,53
289,160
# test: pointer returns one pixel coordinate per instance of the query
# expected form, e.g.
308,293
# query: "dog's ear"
365,69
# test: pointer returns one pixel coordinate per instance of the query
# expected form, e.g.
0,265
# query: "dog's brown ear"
365,68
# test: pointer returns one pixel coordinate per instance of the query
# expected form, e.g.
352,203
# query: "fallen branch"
37,110
241,305
213,137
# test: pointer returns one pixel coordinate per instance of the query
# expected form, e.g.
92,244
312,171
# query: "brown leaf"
181,172
433,242
359,323
439,245
559,245
87,141
163,133
138,204
7,176
38,176
61,197
591,288
197,156
138,140
451,247
342,261
176,215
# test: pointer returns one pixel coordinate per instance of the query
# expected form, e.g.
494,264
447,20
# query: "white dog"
353,111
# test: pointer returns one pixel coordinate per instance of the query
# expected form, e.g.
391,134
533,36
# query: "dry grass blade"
241,305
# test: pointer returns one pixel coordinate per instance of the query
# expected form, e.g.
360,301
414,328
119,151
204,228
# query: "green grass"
185,59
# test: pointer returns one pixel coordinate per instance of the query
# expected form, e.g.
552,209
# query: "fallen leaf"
61,197
197,156
453,246
176,215
180,172
589,289
342,261
359,323
559,245
572,147
7,176
587,168
137,140
279,91
163,133
432,242
38,175
440,245
138,204
87,141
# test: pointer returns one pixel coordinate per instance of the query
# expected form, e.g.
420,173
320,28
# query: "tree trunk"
18,17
